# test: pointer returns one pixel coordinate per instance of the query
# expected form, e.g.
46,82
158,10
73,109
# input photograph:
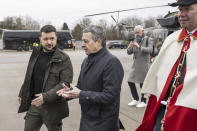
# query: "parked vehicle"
1,45
116,44
23,39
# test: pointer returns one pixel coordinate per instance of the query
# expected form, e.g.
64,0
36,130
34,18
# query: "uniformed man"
172,79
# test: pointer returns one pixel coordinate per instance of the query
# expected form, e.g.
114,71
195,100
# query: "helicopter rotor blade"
113,18
126,10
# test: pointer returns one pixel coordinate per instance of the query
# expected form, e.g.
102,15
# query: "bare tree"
8,23
149,22
112,32
102,23
19,23
85,22
31,24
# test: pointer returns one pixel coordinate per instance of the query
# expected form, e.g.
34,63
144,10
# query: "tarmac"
13,66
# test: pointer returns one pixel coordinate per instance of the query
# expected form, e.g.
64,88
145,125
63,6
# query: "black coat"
100,81
59,70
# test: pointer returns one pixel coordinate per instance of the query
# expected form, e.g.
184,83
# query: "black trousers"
160,115
36,117
134,92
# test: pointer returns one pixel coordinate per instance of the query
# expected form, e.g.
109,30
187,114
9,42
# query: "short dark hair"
97,32
48,29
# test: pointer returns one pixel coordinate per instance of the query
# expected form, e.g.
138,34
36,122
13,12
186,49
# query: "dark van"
23,39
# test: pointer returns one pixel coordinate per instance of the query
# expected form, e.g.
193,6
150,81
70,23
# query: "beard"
48,47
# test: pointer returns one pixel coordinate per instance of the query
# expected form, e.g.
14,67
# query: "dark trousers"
134,92
36,117
160,115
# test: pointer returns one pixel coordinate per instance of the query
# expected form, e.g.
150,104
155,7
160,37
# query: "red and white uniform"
182,111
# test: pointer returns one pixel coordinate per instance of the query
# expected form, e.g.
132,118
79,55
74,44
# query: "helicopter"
168,24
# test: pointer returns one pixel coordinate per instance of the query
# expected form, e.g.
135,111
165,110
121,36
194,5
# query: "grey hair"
97,32
139,27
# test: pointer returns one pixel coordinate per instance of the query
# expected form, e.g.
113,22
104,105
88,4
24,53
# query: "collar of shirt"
184,34
191,32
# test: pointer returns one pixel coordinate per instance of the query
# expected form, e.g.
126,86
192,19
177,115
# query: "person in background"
141,63
74,45
47,69
35,45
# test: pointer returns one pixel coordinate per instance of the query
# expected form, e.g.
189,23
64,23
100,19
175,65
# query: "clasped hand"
133,44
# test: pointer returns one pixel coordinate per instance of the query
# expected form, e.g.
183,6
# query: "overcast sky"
71,11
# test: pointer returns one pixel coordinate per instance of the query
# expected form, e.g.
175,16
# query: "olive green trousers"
36,117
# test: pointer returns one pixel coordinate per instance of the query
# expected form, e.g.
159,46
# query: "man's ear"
99,41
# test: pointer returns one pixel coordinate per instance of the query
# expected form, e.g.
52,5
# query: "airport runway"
12,70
